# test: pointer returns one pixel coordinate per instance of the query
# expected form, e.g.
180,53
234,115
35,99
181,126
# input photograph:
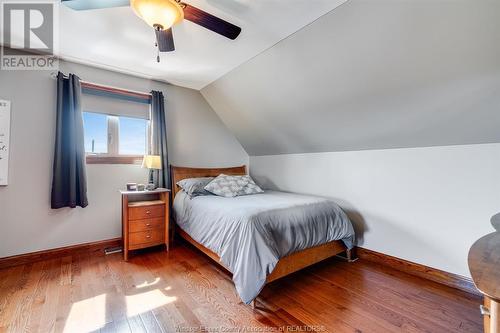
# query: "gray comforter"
251,233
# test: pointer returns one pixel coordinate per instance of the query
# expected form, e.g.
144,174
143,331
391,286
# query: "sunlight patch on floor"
148,284
87,315
146,301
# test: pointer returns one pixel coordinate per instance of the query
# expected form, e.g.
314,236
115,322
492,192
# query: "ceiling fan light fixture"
163,13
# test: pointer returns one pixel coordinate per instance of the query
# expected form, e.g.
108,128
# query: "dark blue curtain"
69,181
159,136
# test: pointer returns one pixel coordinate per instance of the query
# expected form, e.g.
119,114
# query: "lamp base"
150,187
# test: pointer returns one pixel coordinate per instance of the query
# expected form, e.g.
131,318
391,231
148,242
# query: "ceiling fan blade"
211,22
165,39
94,4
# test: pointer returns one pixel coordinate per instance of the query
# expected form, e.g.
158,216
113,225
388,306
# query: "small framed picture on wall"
4,141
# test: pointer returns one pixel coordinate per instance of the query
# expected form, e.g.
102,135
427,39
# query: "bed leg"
350,256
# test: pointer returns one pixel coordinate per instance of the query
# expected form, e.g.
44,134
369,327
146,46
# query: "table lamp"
152,162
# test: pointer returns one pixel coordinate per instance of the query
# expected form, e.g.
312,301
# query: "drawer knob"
148,236
148,224
148,212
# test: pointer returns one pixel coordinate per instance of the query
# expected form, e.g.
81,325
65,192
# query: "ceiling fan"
162,15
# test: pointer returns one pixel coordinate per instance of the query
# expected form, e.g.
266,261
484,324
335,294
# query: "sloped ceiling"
369,75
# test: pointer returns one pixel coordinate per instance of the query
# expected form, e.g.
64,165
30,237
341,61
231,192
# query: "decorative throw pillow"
195,186
226,186
250,187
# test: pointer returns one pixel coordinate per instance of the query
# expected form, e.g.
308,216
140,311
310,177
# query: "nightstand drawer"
146,212
148,238
146,224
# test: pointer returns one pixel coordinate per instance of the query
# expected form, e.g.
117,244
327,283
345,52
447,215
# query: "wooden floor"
183,291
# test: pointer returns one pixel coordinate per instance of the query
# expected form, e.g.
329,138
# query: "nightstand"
145,219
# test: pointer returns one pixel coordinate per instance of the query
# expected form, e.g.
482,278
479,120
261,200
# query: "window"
115,139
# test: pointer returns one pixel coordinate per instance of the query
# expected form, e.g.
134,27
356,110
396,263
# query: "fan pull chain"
157,52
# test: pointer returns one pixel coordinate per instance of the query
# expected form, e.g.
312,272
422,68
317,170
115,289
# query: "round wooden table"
484,266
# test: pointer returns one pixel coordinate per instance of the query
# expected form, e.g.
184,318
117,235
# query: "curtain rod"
116,90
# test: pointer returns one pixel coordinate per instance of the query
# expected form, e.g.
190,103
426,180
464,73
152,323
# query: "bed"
262,237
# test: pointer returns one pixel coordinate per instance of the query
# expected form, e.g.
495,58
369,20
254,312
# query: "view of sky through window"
95,127
133,134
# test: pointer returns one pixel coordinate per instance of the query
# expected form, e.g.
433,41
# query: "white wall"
426,205
196,137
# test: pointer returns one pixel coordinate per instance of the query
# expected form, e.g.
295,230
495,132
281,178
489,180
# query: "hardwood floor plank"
400,278
306,315
23,299
64,296
353,306
234,312
220,285
428,286
426,317
108,328
409,297
150,323
7,285
118,283
45,302
171,278
184,314
168,318
12,286
224,291
122,326
136,325
182,289
196,295
351,315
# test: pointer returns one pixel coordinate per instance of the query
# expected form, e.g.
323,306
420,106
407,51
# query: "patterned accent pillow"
195,186
226,186
250,187
233,186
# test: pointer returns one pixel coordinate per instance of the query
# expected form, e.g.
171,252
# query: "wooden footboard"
287,265
301,259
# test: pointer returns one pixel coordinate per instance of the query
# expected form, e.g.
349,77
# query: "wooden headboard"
179,173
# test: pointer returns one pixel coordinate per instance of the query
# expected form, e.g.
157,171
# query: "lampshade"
151,162
164,13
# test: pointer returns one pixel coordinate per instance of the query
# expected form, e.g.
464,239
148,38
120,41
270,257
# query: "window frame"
113,155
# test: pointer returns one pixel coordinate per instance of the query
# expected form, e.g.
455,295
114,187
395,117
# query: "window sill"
99,159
